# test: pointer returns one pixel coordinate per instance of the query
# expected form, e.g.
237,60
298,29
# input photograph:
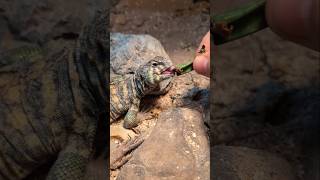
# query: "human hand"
201,63
295,20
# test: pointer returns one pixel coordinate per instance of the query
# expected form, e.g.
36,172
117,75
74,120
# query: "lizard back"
121,93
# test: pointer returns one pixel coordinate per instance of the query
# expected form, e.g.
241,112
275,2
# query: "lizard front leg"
72,161
130,120
69,166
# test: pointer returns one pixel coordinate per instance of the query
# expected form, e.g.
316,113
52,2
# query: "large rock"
177,148
300,108
240,163
40,21
255,78
129,51
187,89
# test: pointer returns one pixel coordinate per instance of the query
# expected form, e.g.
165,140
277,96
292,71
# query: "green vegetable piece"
239,22
184,68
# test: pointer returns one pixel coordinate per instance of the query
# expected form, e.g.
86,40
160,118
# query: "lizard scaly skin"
126,93
54,104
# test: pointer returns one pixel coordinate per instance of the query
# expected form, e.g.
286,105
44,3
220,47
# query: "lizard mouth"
168,71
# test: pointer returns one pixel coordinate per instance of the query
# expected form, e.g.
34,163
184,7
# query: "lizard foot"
136,130
123,153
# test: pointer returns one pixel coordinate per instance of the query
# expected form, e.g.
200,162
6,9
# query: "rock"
96,169
40,21
300,108
250,96
177,148
239,74
290,127
121,19
187,89
128,52
240,163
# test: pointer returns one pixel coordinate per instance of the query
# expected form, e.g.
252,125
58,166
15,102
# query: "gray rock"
240,163
40,21
251,97
188,89
301,108
177,148
128,52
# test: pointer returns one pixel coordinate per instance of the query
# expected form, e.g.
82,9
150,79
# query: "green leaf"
239,22
184,68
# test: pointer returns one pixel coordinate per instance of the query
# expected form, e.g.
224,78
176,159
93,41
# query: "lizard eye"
154,64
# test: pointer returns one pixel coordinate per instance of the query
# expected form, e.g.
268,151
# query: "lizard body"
51,104
126,93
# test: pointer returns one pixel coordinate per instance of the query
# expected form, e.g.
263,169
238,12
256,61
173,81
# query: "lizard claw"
123,153
136,130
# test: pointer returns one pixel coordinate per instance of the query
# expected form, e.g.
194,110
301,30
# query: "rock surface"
177,148
186,90
240,163
257,78
39,21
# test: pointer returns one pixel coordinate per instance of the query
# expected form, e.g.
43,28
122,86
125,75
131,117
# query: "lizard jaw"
168,71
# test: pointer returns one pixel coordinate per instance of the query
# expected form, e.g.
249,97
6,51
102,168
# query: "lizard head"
156,70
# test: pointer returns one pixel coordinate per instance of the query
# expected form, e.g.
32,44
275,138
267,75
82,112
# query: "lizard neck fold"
139,85
91,59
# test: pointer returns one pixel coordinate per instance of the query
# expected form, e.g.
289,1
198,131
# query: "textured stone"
40,21
177,148
240,163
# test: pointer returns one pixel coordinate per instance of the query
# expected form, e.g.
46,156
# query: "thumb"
201,63
295,20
